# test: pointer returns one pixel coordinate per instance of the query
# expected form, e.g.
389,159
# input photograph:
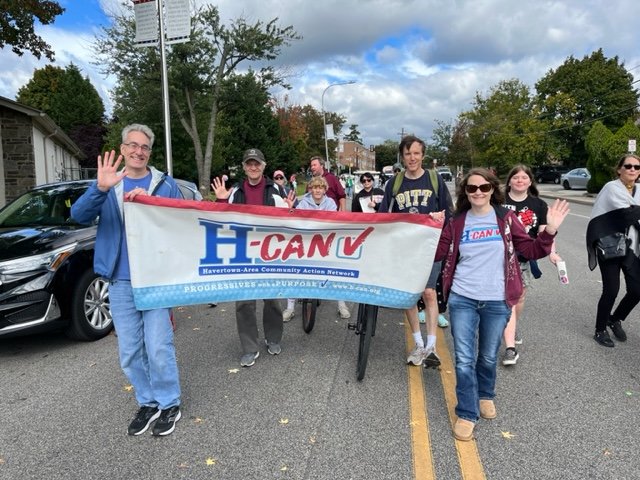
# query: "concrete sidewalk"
572,196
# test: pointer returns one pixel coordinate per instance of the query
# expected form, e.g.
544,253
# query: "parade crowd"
492,236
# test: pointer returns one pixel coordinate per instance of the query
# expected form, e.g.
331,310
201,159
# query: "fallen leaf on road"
284,468
128,388
508,435
628,393
196,328
607,451
284,421
183,465
1,461
312,439
93,365
197,420
210,461
234,370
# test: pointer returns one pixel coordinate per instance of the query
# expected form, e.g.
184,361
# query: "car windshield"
42,206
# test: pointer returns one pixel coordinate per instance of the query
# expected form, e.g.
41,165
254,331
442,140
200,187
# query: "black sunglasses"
279,177
367,179
484,188
628,166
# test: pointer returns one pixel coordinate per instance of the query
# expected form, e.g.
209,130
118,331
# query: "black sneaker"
603,339
167,421
144,418
618,331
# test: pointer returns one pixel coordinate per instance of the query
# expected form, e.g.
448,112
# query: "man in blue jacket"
145,338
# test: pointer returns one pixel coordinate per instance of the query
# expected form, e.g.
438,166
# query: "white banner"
185,252
146,15
329,131
177,20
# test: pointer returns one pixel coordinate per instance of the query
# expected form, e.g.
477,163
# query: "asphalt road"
569,409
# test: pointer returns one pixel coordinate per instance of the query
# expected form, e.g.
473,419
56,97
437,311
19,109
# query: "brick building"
353,156
33,150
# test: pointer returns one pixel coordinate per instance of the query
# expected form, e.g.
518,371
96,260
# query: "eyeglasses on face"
629,166
134,146
367,180
484,188
279,177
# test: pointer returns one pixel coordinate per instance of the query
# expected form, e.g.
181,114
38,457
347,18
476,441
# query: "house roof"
48,126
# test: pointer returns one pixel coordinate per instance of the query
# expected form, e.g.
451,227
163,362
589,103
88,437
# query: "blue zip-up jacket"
109,206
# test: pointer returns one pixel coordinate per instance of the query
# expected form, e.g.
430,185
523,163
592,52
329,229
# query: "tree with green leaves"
17,25
505,127
386,154
438,149
604,149
197,72
72,102
582,92
353,135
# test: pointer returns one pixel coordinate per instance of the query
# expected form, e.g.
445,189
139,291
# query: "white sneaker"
288,314
417,355
343,311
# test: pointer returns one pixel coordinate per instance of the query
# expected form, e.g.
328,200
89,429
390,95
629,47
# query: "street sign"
632,145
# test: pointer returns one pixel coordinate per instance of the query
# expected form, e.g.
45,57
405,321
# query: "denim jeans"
146,350
477,328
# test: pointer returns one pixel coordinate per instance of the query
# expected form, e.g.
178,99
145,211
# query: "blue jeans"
477,328
146,350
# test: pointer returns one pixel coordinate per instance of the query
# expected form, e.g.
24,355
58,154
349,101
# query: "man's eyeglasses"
367,180
484,188
279,177
134,146
628,166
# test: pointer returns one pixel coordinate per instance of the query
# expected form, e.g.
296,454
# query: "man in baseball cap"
253,154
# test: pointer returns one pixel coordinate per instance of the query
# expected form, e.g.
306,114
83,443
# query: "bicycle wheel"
309,307
367,317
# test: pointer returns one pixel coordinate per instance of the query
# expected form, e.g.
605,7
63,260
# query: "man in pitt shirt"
416,195
256,189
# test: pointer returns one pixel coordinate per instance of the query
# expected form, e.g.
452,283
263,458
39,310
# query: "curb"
586,199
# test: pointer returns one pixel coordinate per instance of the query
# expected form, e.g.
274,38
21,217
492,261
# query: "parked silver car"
575,179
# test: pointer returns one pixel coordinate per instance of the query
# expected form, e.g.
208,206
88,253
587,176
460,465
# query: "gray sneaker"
510,356
248,359
417,355
431,359
273,348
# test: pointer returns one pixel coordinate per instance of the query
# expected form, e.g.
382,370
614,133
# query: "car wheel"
90,313
566,185
556,180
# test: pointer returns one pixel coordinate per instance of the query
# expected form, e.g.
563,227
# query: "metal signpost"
151,16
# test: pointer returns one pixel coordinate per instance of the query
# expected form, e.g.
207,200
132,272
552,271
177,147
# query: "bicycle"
309,307
365,326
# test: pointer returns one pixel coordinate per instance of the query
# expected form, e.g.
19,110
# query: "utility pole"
402,135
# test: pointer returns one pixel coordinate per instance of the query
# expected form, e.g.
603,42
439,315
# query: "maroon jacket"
513,235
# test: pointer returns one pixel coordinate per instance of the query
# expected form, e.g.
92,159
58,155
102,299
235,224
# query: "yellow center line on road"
419,421
468,456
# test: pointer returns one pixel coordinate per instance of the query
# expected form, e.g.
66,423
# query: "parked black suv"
46,265
549,173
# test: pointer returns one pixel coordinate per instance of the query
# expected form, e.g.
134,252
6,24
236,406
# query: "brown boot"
463,430
488,409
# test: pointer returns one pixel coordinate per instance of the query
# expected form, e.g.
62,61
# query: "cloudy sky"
413,61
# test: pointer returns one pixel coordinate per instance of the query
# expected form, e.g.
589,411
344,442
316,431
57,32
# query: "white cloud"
414,60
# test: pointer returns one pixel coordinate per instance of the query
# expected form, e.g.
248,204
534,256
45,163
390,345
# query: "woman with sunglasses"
482,281
367,196
616,210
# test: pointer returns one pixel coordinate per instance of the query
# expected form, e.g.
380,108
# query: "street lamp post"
324,121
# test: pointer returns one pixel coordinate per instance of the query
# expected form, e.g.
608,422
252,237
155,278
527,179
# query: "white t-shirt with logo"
480,270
